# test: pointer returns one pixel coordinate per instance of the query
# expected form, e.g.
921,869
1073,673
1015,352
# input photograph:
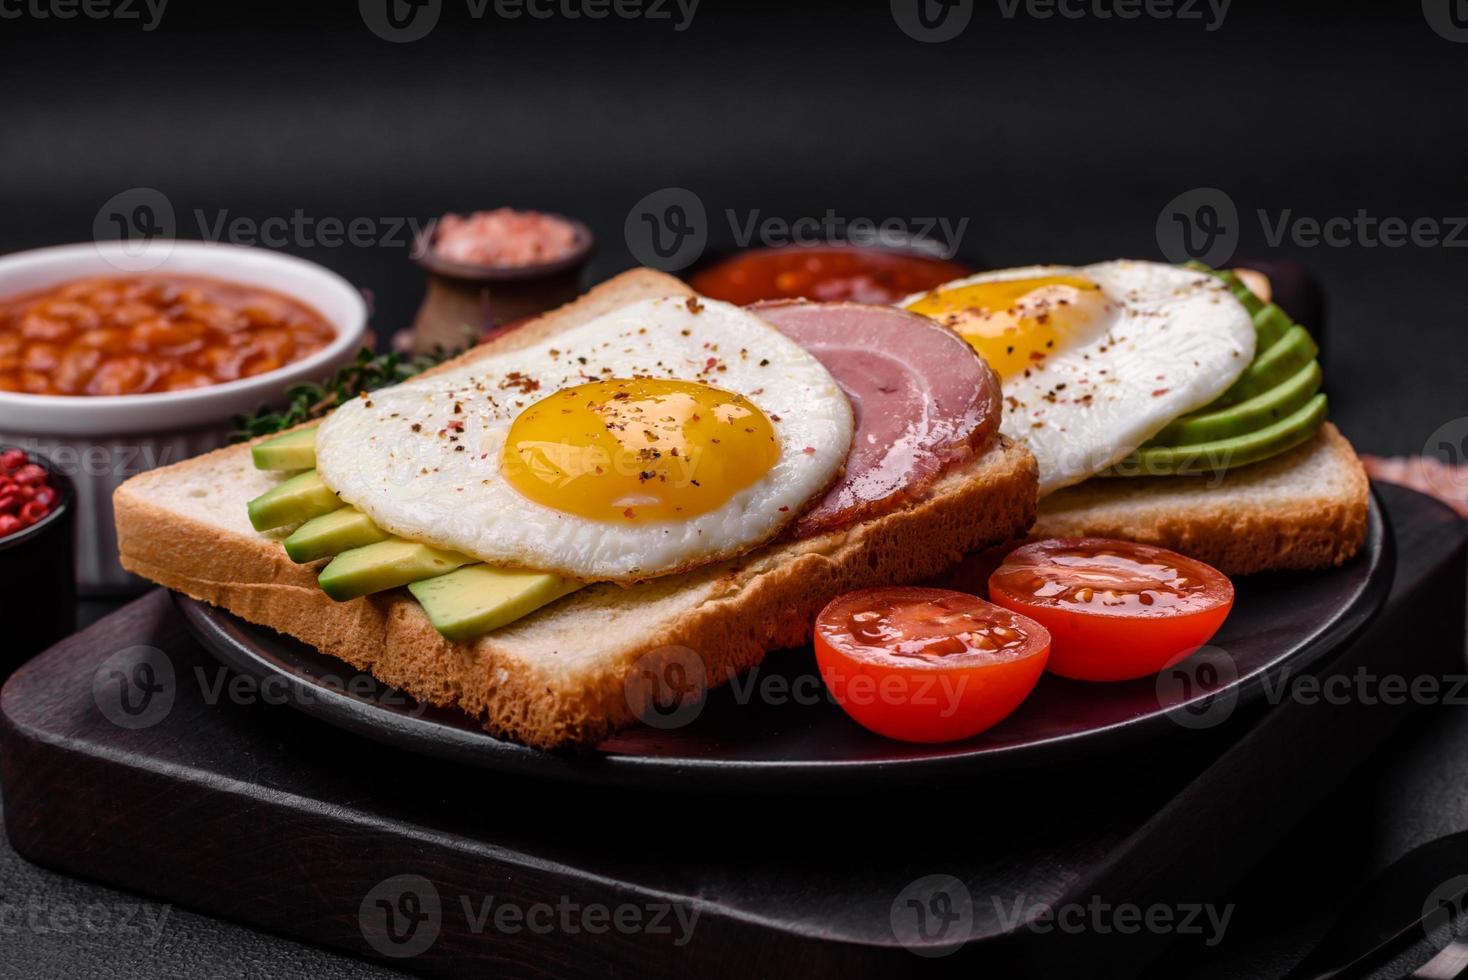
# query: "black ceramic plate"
775,727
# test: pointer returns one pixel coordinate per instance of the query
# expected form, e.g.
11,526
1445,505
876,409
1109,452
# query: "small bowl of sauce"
834,272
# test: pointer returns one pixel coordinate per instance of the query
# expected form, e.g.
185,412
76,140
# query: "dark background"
1060,140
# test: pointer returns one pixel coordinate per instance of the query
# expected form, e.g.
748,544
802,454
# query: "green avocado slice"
1281,360
331,534
385,565
300,498
479,598
292,451
1256,413
1223,454
1270,324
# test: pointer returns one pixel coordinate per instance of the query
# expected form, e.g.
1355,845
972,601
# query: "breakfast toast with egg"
572,672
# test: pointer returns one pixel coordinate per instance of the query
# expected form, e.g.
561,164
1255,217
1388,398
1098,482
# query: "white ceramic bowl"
101,441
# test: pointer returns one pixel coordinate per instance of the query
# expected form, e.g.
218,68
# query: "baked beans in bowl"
129,335
116,358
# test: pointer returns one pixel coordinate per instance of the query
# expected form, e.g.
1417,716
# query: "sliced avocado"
1281,360
1245,295
385,565
1224,454
1270,324
292,451
331,534
1247,416
300,498
474,600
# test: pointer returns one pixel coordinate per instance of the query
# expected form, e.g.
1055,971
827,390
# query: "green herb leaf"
367,372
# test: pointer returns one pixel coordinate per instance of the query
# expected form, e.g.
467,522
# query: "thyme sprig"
369,371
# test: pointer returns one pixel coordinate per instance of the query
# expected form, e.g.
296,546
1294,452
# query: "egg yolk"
641,449
1017,323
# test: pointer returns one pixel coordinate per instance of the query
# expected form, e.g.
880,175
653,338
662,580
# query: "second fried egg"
1095,360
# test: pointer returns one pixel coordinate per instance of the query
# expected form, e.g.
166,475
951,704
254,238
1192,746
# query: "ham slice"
924,401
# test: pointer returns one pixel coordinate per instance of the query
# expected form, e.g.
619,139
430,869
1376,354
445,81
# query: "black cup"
38,578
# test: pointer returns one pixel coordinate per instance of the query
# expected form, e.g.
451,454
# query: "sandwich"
526,531
1175,407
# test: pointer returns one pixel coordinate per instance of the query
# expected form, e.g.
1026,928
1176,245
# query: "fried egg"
663,435
1095,360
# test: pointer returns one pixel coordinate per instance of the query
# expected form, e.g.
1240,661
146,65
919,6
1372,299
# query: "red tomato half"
927,665
1115,609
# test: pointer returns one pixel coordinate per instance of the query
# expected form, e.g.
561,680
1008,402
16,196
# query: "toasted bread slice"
1303,509
564,674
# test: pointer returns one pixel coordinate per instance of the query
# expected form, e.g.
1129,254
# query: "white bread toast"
559,676
1303,509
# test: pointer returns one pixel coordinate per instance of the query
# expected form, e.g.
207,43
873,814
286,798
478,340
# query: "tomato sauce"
825,273
138,334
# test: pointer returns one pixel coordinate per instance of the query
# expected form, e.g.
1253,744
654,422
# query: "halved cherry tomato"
927,665
1115,609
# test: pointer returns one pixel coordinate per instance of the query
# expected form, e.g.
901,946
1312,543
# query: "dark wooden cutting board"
256,812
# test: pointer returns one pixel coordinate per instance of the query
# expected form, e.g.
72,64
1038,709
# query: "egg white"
419,485
1172,341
